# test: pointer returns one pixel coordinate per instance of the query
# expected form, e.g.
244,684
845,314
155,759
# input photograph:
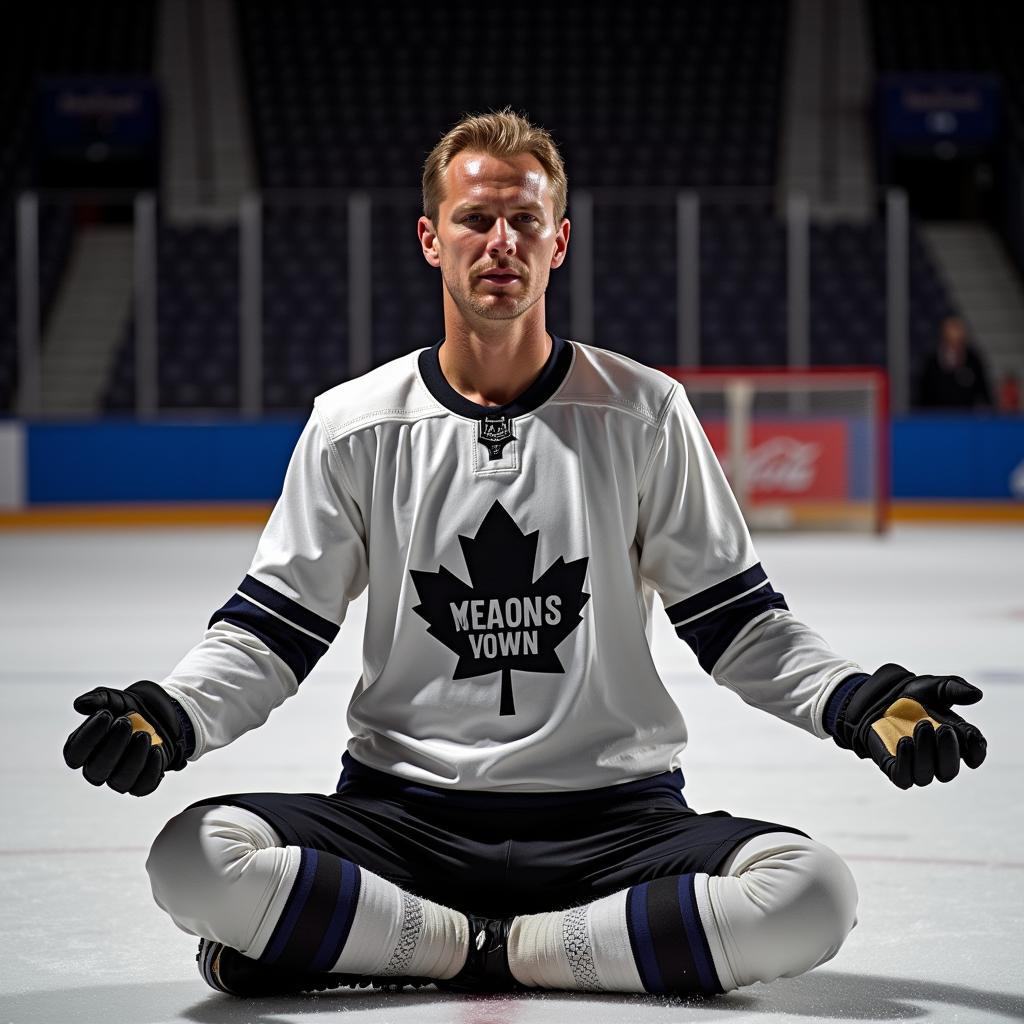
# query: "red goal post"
803,449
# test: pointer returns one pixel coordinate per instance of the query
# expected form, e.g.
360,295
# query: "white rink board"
940,870
12,465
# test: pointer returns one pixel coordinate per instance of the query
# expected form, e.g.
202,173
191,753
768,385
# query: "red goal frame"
776,379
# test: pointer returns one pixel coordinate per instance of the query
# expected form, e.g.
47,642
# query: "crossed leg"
779,905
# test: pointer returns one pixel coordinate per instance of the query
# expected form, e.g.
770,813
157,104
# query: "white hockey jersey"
512,555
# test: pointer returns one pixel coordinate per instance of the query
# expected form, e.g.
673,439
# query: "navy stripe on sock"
341,923
289,609
640,938
697,937
668,935
669,945
720,593
318,915
298,650
297,900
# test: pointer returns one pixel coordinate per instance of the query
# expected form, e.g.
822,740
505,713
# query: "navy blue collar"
551,376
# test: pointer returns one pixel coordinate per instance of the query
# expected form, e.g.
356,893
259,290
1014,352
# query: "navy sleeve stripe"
298,650
288,609
709,635
714,597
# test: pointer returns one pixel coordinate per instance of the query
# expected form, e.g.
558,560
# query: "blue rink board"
114,461
980,457
946,457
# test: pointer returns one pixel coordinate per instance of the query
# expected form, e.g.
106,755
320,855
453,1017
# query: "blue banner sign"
98,131
918,109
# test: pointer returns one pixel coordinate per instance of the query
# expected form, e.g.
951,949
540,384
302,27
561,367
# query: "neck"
494,362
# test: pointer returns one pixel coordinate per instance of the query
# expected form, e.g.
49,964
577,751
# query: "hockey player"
510,810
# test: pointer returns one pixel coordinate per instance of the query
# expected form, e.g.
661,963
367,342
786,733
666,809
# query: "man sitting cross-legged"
510,811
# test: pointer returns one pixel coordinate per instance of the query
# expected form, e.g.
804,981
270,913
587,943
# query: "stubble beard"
471,302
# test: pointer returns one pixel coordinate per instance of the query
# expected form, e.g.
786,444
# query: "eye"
528,217
471,218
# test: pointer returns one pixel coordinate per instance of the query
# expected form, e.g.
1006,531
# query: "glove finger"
898,767
126,774
947,754
902,773
104,759
924,753
973,746
151,774
954,690
86,738
103,697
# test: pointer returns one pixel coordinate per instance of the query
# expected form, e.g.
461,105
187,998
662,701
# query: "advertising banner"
792,461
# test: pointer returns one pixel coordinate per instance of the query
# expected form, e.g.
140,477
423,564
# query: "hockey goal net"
803,449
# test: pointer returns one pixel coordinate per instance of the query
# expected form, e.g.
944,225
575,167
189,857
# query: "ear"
561,244
428,241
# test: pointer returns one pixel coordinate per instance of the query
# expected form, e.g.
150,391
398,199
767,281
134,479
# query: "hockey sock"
648,938
782,905
340,918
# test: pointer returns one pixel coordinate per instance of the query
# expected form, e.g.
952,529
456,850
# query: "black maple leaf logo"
505,620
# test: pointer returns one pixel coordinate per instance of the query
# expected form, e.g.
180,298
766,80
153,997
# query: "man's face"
954,334
496,238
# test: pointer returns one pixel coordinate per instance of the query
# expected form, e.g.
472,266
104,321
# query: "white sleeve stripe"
715,608
718,595
287,622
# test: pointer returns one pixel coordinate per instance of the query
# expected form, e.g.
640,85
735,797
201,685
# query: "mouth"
500,278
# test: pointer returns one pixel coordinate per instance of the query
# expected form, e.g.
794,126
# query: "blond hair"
500,133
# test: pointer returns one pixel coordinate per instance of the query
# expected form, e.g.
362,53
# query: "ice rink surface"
940,870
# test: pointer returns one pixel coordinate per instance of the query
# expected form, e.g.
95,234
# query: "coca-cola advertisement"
791,461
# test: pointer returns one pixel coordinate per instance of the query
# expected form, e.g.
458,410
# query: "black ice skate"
227,970
486,968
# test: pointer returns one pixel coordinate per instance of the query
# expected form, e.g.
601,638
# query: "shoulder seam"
635,408
669,399
366,419
326,425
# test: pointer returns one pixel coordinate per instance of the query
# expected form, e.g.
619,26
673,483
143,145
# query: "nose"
502,239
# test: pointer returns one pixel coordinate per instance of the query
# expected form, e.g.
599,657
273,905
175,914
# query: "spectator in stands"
954,376
1009,393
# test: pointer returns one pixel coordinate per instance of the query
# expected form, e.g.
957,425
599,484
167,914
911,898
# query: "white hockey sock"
648,938
564,949
786,907
224,873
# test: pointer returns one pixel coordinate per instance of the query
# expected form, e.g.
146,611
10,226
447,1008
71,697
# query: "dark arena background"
811,212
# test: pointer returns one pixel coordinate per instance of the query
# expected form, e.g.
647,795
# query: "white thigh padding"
786,905
223,873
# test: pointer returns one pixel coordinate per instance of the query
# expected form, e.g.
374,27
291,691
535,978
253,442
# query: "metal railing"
360,206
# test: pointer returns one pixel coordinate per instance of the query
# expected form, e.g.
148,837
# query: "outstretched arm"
697,553
902,721
259,646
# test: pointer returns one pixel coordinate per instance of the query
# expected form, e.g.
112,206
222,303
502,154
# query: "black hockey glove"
904,724
130,738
